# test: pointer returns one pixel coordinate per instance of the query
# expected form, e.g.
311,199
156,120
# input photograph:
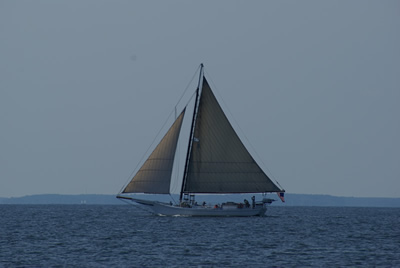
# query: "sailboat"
217,162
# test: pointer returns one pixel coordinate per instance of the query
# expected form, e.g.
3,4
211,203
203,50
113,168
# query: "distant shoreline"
291,200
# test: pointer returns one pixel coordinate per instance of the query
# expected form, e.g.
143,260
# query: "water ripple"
104,236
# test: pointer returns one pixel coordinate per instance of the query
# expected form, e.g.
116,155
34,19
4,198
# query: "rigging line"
151,145
178,147
170,195
173,187
279,185
178,156
145,154
241,130
187,87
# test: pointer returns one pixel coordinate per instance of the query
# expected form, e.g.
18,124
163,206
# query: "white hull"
164,209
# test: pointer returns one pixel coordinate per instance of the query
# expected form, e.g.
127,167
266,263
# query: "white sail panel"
155,174
219,162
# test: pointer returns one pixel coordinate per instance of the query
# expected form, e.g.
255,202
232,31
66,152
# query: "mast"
191,132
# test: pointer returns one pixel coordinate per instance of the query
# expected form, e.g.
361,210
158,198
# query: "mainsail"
155,175
219,162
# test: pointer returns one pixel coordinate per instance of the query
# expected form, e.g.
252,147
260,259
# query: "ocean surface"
124,236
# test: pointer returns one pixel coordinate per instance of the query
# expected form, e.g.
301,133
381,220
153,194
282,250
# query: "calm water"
123,236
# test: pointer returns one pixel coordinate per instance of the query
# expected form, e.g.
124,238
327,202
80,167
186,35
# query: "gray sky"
86,85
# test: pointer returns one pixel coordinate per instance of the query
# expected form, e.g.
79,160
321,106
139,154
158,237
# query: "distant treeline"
290,200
